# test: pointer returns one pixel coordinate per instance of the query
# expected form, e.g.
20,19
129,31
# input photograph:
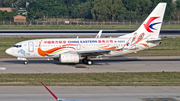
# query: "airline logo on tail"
148,26
97,36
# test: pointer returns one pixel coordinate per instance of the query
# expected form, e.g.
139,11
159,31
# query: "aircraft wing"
93,53
101,52
96,52
58,99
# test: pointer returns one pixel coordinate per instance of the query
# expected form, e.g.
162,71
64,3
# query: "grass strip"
93,79
79,27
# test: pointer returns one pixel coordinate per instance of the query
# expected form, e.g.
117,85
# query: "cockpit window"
17,46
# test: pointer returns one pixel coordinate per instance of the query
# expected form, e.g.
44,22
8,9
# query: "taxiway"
115,64
91,93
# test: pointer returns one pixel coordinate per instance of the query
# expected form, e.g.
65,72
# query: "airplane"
58,99
72,50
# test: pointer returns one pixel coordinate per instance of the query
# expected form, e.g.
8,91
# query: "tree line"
94,9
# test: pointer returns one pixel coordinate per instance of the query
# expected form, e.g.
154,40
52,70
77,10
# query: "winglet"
99,34
49,90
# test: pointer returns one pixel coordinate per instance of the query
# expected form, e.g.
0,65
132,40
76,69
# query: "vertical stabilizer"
149,30
58,99
99,34
50,91
152,25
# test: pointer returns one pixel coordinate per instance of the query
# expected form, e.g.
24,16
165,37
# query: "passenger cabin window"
17,46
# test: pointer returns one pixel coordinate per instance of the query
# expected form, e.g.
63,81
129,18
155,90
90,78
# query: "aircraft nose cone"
8,51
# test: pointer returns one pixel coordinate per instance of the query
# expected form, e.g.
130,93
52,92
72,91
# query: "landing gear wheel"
84,61
25,62
89,62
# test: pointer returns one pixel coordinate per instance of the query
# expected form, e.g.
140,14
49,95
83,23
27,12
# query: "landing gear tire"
25,62
89,62
86,61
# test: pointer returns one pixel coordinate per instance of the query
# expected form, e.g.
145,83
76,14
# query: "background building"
6,9
19,18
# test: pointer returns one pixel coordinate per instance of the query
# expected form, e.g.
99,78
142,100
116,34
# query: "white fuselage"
52,48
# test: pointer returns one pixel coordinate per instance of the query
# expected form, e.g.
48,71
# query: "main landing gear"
87,61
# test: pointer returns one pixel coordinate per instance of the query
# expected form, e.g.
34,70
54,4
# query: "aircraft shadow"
81,65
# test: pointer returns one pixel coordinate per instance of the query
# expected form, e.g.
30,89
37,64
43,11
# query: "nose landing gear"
23,59
25,62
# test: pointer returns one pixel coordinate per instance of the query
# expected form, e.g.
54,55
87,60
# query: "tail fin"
99,34
152,25
50,91
58,99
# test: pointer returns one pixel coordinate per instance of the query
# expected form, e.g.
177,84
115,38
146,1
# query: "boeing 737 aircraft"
70,50
58,99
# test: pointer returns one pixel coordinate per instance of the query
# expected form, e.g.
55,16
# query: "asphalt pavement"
115,64
91,93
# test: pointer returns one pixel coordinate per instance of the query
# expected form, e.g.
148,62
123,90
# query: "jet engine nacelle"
69,58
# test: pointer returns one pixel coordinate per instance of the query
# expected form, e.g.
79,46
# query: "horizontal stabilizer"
155,40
